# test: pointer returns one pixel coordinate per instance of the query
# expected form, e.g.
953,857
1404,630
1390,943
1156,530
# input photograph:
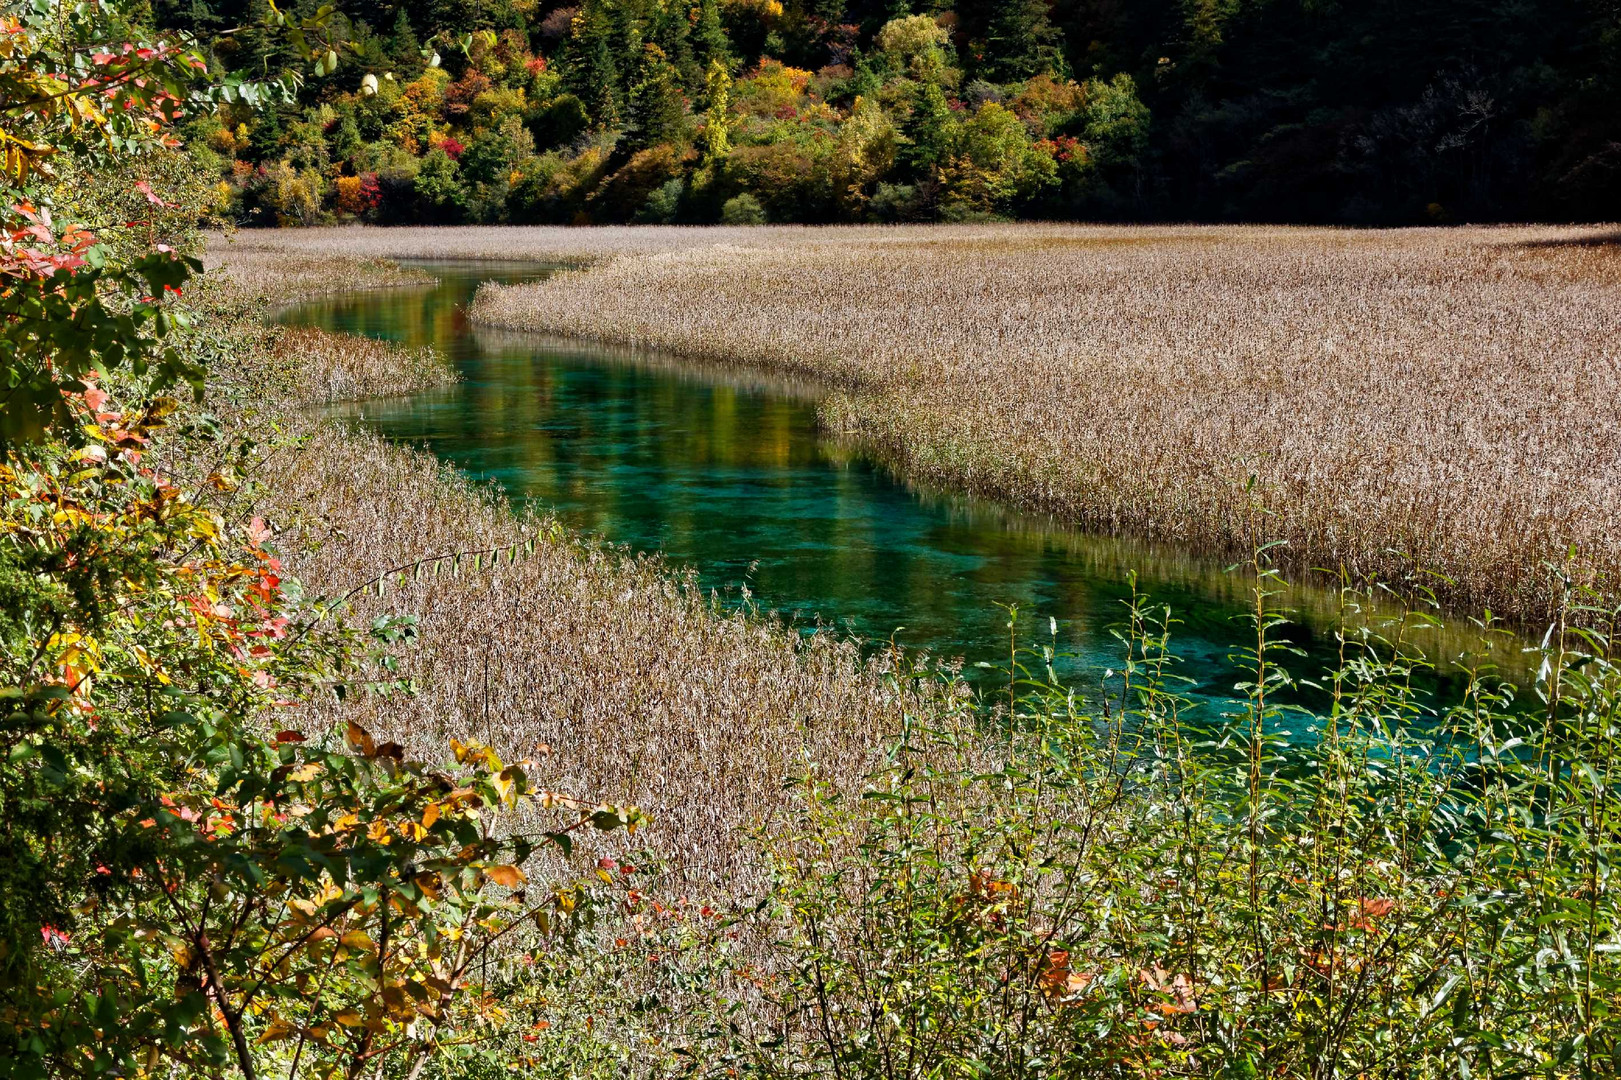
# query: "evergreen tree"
264,144
709,40
404,48
589,71
926,131
263,50
672,32
657,109
1021,42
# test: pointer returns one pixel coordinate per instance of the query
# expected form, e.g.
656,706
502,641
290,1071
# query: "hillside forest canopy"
745,111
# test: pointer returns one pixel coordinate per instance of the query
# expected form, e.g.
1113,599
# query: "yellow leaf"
430,814
359,940
349,1018
277,1029
361,740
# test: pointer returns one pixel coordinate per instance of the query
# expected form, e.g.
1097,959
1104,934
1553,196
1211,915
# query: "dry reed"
342,367
640,687
1448,398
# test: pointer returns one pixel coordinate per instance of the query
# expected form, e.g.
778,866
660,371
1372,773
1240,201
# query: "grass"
1090,891
1444,398
637,685
342,367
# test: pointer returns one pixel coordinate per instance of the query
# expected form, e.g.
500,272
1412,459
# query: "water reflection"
725,472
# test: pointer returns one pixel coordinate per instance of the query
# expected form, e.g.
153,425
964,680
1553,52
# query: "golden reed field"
637,686
1437,398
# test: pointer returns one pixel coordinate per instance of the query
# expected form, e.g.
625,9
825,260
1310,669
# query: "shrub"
1390,884
663,204
893,202
560,123
742,209
626,192
438,186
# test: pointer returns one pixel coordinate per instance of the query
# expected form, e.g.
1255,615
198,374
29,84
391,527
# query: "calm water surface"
727,474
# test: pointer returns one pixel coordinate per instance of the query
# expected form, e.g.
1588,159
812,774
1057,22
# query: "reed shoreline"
1432,408
625,678
626,682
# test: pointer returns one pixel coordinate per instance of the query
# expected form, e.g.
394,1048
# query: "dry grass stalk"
342,367
1449,394
642,689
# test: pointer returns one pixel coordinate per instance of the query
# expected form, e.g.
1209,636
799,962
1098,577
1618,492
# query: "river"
726,472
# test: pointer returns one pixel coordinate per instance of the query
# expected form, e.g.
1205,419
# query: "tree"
1115,129
656,111
672,32
403,47
589,70
742,209
185,889
914,46
439,187
927,131
993,168
709,41
70,306
718,93
1022,42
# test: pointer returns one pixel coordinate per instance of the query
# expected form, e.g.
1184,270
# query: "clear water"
727,474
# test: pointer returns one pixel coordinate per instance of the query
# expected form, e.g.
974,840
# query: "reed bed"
631,684
341,367
613,669
1442,398
639,688
250,273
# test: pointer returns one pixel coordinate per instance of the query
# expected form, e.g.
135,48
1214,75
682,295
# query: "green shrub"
742,209
663,204
1387,884
439,188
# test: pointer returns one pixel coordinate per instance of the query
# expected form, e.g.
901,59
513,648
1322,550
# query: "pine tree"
263,51
709,40
657,110
1021,42
672,32
403,46
589,71
927,131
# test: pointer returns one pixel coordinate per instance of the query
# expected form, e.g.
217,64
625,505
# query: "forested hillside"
857,110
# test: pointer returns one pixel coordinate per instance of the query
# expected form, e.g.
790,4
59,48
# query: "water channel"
726,472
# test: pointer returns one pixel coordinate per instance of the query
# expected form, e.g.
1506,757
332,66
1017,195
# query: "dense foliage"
187,885
848,110
1384,885
1343,875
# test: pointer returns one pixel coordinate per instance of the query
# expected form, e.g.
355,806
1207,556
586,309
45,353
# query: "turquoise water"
727,474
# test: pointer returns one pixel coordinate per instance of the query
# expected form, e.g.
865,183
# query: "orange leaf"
508,876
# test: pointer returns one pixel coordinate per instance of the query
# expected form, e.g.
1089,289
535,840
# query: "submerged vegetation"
321,762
